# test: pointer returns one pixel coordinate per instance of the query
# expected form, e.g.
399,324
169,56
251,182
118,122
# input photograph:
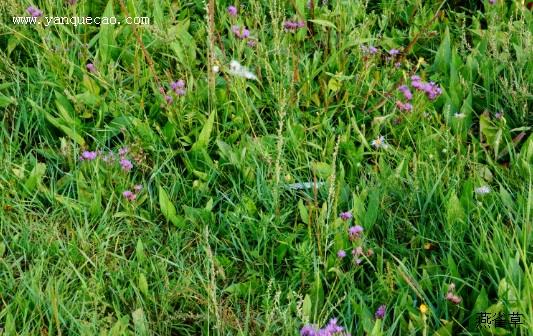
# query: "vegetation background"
135,203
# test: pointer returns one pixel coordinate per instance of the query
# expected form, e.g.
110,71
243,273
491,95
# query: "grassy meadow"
266,167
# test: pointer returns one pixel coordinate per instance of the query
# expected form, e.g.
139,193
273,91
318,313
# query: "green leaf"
139,251
372,209
324,23
317,295
443,56
5,101
376,331
143,284
454,210
482,301
203,138
35,177
334,85
322,169
303,212
445,330
70,132
168,209
105,37
307,306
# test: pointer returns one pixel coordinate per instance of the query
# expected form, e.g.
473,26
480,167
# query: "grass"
237,226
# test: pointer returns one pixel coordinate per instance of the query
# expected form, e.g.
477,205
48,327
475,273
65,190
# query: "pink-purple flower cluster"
125,163
346,215
431,89
394,52
451,296
88,155
331,329
371,50
292,26
34,11
240,32
91,68
380,312
132,195
232,10
178,87
404,106
406,92
355,232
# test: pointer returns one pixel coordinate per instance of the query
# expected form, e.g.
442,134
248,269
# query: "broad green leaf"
143,284
454,210
105,37
36,176
303,212
203,138
5,101
445,330
322,169
167,208
324,23
372,209
139,251
443,56
307,306
70,132
300,7
376,331
482,302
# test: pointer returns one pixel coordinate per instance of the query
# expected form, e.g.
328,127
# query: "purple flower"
72,2
415,78
169,99
433,90
292,26
126,165
397,64
34,11
333,328
138,187
453,298
123,151
308,330
355,231
251,43
178,87
394,52
180,84
406,92
89,156
341,254
162,90
241,33
369,50
232,10
380,312
129,195
346,215
91,68
404,106
492,2
357,251
109,158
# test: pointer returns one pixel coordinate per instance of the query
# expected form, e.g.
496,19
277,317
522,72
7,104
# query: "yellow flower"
423,308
